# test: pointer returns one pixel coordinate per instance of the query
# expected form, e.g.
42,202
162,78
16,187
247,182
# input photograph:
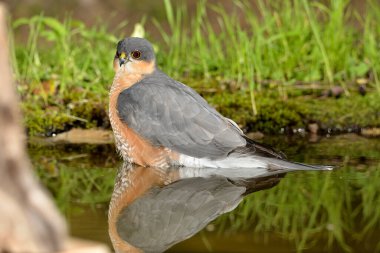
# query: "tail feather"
275,160
286,166
251,161
242,166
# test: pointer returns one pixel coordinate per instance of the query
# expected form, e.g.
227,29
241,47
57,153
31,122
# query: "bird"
160,122
183,162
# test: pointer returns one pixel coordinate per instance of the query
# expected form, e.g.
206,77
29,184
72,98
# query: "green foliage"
295,40
63,73
265,55
69,52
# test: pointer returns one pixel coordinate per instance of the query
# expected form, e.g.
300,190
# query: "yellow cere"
122,55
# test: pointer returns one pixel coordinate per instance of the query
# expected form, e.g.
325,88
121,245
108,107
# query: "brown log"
29,221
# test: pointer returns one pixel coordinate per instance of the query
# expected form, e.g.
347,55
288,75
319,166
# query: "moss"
275,115
355,110
54,113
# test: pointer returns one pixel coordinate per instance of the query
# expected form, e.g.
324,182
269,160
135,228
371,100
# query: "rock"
362,89
370,132
336,91
85,136
362,81
255,135
313,128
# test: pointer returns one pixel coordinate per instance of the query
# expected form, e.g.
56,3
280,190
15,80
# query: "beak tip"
121,62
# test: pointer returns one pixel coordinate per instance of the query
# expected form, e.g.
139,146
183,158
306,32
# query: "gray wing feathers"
168,113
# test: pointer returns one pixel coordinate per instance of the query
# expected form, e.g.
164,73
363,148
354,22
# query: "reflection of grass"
85,186
340,208
64,69
76,174
310,207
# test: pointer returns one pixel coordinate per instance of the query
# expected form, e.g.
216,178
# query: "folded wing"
169,114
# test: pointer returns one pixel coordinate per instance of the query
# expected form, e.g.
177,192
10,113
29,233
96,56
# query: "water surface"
315,211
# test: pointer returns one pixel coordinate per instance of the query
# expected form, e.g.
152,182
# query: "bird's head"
135,56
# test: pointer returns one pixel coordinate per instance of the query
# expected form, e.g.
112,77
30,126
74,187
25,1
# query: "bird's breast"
133,147
121,82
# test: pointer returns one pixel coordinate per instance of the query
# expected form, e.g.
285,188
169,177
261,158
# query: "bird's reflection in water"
154,208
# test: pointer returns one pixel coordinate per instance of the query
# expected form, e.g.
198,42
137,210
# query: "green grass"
290,43
64,68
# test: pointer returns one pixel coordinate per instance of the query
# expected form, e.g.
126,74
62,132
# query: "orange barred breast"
132,147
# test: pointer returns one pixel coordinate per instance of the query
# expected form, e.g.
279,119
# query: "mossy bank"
55,113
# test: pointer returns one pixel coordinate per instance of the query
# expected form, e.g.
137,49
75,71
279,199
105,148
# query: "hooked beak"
123,59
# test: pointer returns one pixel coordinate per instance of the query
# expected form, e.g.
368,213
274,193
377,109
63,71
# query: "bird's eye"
136,54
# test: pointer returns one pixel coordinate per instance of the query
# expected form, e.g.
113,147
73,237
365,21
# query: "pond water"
334,211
